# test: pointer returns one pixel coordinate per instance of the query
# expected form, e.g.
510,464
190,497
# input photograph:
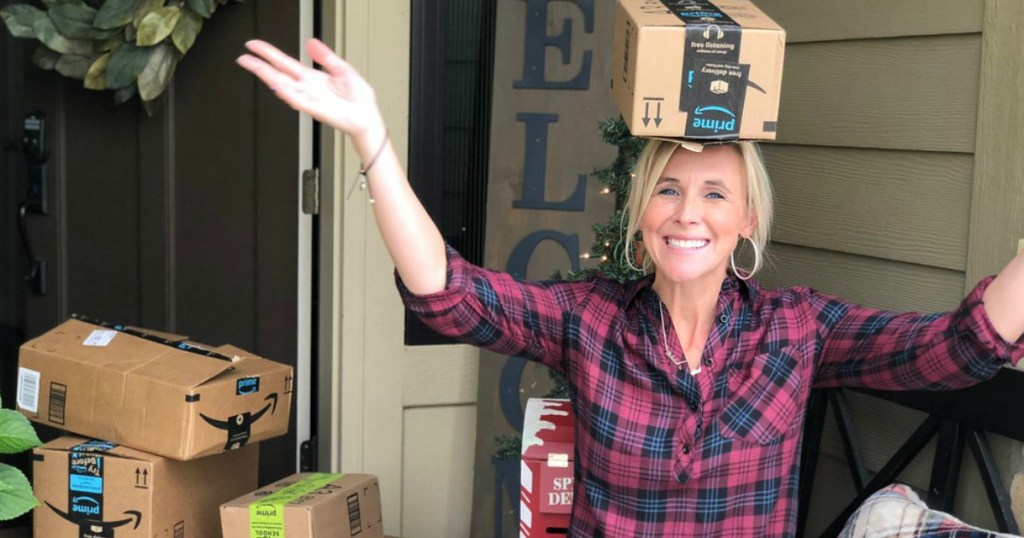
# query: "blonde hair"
651,164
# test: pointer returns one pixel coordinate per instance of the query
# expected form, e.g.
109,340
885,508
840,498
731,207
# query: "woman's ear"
748,229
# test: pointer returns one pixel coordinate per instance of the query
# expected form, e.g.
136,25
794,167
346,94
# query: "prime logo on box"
85,493
716,82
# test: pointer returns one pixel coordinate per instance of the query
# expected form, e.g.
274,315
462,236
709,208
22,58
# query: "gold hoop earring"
757,261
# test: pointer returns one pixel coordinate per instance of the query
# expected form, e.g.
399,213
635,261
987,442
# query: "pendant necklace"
664,339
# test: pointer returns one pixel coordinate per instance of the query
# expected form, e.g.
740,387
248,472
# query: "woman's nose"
688,210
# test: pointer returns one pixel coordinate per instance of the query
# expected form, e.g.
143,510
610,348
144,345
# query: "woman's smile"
688,245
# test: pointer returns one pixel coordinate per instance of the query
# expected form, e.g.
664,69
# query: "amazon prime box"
97,489
698,69
154,392
307,505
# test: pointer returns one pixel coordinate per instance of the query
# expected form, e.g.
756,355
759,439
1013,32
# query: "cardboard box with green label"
307,505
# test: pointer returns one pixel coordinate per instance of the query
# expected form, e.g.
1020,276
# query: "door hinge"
311,191
307,456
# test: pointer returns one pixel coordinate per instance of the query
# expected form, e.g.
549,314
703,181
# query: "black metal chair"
958,418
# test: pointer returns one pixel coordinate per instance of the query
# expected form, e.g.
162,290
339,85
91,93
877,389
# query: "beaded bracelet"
364,169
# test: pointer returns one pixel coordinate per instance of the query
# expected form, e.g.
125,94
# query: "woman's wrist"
370,141
368,164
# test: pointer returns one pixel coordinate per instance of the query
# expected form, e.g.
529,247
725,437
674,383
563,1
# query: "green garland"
127,46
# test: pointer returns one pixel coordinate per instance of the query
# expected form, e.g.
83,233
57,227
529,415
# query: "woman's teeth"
687,243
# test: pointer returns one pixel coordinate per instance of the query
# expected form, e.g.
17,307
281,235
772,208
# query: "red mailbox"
546,475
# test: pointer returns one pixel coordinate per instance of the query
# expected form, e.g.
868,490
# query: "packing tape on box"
266,516
85,480
714,85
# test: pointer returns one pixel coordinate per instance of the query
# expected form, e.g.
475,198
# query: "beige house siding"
898,182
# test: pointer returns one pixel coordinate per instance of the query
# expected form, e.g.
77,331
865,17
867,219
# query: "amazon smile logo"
91,527
238,427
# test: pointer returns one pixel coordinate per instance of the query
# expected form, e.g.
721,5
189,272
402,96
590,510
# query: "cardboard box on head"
95,489
546,471
307,505
697,69
153,392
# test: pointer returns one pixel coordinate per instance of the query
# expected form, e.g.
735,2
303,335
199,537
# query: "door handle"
33,146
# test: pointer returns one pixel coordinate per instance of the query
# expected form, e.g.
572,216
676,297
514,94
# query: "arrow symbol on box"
647,111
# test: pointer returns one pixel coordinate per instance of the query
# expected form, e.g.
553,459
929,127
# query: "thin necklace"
664,339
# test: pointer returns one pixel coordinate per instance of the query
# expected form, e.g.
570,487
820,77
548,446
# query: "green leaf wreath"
127,46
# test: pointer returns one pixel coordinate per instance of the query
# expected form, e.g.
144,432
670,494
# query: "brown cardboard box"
698,69
98,489
172,398
307,505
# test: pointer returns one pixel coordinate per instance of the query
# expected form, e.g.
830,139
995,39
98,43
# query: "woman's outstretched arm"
340,97
1004,300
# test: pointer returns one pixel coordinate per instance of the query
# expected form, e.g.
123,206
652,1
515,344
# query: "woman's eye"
715,195
669,191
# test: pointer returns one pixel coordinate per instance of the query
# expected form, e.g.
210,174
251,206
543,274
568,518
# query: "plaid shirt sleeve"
861,346
495,311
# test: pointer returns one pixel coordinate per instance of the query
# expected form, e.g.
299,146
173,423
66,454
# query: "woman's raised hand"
337,96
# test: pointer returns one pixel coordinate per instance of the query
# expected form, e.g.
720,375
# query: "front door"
185,221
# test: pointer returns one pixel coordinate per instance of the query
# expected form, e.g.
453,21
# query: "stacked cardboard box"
707,70
178,421
96,488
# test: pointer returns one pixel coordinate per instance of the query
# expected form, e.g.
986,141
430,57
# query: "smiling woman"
664,450
696,214
753,179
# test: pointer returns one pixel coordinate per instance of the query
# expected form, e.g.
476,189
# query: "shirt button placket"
683,463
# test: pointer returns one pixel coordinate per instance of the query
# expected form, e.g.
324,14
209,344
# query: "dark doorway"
186,221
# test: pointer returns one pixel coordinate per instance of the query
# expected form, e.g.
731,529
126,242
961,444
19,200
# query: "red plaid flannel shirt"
661,452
